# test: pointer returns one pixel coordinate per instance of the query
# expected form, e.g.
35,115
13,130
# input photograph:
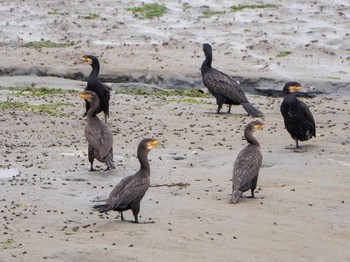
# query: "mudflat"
301,211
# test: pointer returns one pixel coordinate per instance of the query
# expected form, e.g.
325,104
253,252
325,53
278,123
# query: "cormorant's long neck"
142,155
207,62
95,70
286,92
248,134
94,106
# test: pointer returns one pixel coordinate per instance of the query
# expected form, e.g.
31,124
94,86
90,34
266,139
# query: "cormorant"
298,119
95,85
98,134
247,164
225,89
128,193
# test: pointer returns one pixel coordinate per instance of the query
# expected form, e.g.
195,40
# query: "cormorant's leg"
91,167
298,148
229,109
136,219
121,215
105,118
253,187
252,194
135,210
91,157
219,108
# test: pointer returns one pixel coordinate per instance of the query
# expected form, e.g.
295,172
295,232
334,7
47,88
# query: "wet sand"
168,50
301,211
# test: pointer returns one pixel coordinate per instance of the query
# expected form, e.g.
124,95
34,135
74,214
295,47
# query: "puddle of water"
9,173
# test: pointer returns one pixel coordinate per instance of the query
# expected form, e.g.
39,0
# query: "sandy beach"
302,210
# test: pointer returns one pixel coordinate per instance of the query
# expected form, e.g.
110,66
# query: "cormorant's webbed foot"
252,194
249,197
219,109
299,149
136,221
296,148
92,169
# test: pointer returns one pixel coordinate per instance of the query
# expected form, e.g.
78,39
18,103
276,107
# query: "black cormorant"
247,164
128,193
225,89
298,119
98,134
95,85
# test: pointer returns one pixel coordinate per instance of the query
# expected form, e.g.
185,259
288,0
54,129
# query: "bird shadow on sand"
99,174
226,114
300,149
115,220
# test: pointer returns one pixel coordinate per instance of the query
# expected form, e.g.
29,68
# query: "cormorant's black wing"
246,167
117,190
307,113
135,188
100,137
225,85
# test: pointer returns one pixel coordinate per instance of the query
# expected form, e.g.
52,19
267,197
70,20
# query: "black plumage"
128,193
298,118
95,85
98,134
225,89
247,165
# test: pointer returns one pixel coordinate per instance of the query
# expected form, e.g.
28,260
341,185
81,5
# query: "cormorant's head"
256,125
207,49
152,143
90,59
291,87
148,143
88,96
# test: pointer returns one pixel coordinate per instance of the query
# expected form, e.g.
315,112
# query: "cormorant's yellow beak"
259,127
294,88
85,96
153,143
87,60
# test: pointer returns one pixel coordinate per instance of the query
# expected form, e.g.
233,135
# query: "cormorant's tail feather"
109,163
102,208
251,110
235,196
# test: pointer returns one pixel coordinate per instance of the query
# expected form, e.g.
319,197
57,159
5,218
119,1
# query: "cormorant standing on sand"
128,193
95,85
298,118
98,134
247,164
225,89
